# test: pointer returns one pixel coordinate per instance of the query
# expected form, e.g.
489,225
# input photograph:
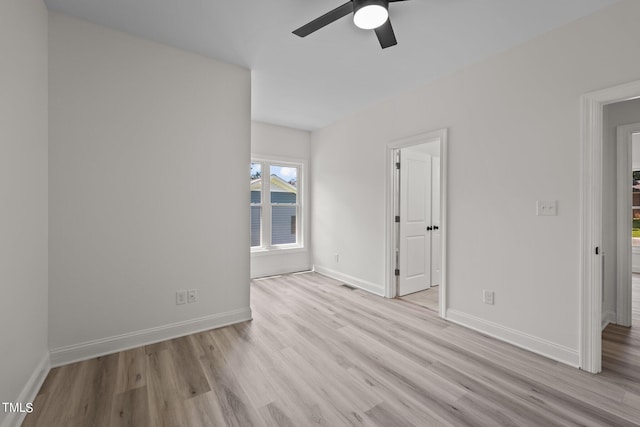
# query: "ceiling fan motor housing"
370,14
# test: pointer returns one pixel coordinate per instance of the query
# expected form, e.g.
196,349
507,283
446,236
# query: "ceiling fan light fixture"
370,14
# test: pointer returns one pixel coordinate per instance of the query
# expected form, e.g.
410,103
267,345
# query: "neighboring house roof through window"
277,185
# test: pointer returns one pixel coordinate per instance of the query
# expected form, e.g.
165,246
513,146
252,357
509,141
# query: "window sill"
285,250
635,249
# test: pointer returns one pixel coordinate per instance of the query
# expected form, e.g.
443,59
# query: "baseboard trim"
30,391
350,280
278,271
537,345
90,349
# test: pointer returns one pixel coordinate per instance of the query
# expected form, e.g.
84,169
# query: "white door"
415,217
436,236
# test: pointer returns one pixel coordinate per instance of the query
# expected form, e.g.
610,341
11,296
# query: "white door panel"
416,257
416,180
415,217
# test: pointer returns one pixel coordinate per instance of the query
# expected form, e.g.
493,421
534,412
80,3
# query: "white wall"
23,200
149,148
614,115
514,123
278,142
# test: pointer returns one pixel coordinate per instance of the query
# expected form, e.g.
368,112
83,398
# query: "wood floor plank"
131,370
320,354
247,366
204,411
232,400
295,390
190,377
381,415
130,408
163,394
275,416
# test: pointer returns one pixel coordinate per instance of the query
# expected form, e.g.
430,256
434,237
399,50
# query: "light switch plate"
547,208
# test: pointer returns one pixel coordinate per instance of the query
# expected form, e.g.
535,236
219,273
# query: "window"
276,208
635,209
256,205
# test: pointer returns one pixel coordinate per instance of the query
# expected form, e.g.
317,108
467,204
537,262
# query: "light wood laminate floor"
621,351
428,298
318,353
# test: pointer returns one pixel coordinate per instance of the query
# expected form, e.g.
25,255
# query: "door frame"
591,136
624,135
440,136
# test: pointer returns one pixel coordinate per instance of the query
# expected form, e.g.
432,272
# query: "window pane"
256,183
256,225
284,182
283,225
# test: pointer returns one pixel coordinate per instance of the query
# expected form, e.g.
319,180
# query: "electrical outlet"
487,297
336,257
181,297
192,295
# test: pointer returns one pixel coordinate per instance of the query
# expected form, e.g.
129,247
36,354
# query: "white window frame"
266,205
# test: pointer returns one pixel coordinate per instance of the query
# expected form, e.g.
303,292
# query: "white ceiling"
310,82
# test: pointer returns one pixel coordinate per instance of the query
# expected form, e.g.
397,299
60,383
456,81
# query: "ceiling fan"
367,14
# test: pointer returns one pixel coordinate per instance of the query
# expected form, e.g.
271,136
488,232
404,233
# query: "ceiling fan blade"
385,34
325,19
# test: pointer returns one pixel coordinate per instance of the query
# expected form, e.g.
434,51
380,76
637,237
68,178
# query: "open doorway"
416,199
592,259
625,139
621,301
620,226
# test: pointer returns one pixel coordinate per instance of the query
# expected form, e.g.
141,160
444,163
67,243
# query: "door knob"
429,228
435,227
